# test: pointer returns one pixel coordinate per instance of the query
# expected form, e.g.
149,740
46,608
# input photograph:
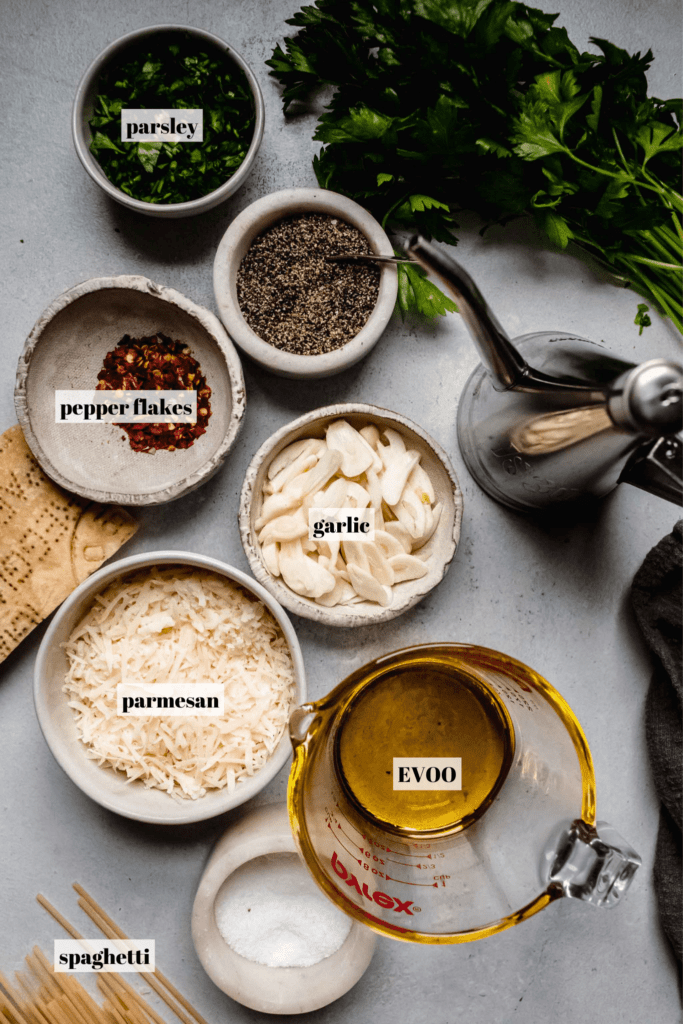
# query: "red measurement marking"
350,838
401,881
380,846
350,852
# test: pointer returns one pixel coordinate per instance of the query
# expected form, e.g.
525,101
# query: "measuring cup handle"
592,863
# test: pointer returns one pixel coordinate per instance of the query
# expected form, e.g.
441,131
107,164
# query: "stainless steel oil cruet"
554,417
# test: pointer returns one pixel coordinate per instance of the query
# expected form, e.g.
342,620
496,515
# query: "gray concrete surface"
555,597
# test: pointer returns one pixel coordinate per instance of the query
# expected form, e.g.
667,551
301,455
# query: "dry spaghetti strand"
86,902
52,998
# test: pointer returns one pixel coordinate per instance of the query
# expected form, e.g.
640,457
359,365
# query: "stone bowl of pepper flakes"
128,333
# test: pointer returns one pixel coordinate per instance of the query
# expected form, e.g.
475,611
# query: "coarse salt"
270,912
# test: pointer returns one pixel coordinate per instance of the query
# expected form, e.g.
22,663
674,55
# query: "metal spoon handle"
367,257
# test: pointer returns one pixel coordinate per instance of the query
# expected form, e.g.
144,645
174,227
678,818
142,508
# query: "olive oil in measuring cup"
399,856
451,737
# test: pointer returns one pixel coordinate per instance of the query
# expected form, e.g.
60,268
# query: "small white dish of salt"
264,932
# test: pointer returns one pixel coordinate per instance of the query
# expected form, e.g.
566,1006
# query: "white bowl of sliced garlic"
351,457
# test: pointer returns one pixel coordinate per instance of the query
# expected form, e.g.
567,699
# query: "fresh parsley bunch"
173,71
486,105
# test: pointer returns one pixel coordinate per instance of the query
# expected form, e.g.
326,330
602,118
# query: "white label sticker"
344,523
126,406
104,956
427,773
143,700
155,124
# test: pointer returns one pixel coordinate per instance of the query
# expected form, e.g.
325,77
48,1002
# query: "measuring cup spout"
302,723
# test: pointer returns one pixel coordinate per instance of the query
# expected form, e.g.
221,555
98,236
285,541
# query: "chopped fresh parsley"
173,70
642,319
486,105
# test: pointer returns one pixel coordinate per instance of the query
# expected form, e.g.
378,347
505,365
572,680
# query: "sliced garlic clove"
380,567
323,580
374,490
388,544
355,551
301,465
429,532
275,505
333,496
329,548
367,586
396,475
407,567
357,455
396,529
376,461
348,593
371,435
271,558
341,593
302,574
413,513
357,496
396,443
419,482
282,529
314,479
284,458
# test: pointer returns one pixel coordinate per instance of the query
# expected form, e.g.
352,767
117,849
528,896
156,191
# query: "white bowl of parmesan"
163,754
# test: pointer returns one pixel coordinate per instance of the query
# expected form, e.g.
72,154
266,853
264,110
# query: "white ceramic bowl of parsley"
84,106
251,223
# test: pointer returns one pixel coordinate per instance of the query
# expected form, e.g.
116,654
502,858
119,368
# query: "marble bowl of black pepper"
284,303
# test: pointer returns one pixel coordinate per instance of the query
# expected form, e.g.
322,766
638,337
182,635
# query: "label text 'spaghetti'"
104,956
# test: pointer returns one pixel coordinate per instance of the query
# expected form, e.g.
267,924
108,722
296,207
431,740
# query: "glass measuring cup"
445,792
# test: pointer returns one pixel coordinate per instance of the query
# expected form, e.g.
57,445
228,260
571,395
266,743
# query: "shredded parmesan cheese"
180,626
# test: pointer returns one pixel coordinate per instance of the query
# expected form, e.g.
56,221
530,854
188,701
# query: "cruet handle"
592,863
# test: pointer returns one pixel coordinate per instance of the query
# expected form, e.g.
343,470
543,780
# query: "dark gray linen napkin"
658,604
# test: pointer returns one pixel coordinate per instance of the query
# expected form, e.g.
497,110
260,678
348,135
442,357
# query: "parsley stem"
669,193
656,263
674,242
656,244
395,206
619,150
677,225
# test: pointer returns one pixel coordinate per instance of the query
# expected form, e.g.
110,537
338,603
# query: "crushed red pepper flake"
157,364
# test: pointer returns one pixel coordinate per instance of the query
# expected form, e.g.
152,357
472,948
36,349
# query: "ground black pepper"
296,300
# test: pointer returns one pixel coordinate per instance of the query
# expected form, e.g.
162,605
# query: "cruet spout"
504,364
